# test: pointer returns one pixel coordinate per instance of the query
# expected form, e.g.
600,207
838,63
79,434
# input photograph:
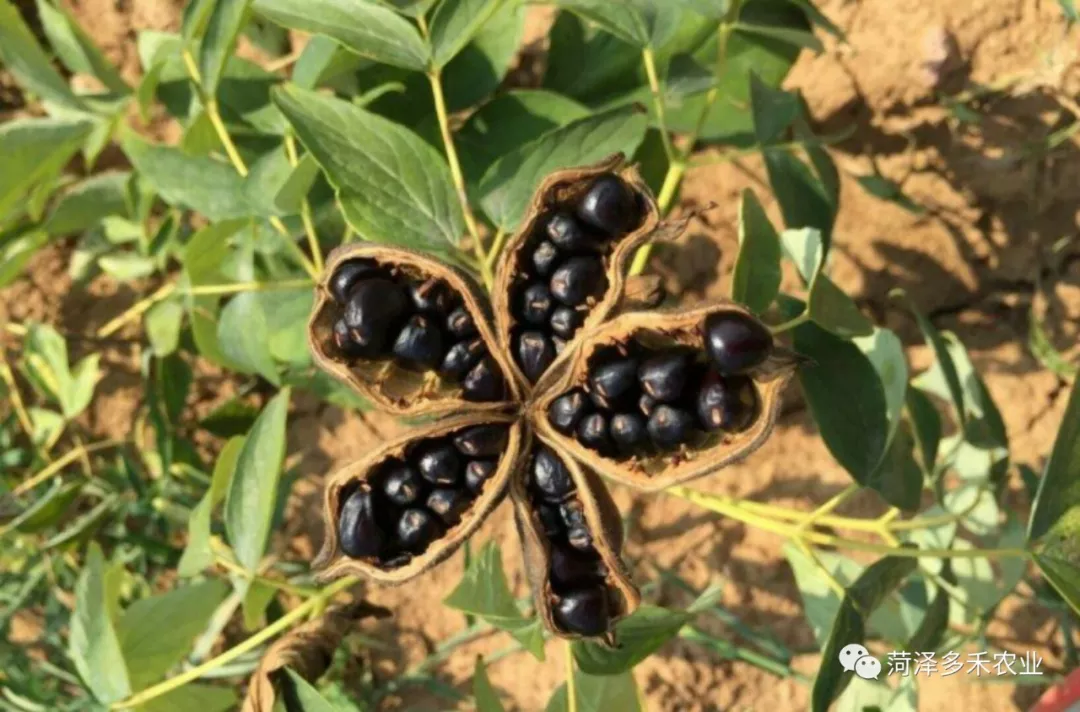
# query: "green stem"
791,323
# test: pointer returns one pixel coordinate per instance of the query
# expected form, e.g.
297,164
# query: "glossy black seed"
347,275
663,376
432,296
439,463
484,382
374,311
344,342
403,485
572,569
565,321
577,279
670,427
628,431
568,234
461,357
736,342
417,529
482,440
613,382
592,432
577,527
646,404
419,346
460,324
359,534
535,352
726,403
448,504
477,472
584,612
566,411
544,258
609,205
550,475
550,520
536,304
395,561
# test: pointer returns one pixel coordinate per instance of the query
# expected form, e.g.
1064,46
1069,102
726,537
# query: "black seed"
559,344
609,205
535,352
344,342
664,375
419,346
568,234
460,323
482,440
566,411
536,304
577,527
402,485
614,382
347,275
439,463
395,561
646,404
726,403
550,475
418,528
571,569
628,431
544,258
461,357
577,279
550,520
374,311
432,296
565,321
484,382
736,341
359,534
477,472
592,432
583,612
448,504
670,427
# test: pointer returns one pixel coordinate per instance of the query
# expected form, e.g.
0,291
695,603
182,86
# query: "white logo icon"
855,657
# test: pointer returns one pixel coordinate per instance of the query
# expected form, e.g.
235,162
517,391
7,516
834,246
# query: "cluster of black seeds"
577,573
645,401
412,501
562,270
422,325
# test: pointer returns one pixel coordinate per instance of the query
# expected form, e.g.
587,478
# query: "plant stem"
8,377
60,463
571,687
305,207
672,179
286,621
649,60
828,507
496,247
791,323
136,310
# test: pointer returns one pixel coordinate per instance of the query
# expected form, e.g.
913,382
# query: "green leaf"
244,336
76,49
508,185
927,427
367,28
1043,349
868,592
454,24
487,700
483,592
983,425
943,361
309,698
801,194
151,647
224,24
83,528
393,187
876,696
643,23
93,643
1059,487
481,67
829,306
881,187
163,326
597,693
46,510
256,598
287,315
126,266
198,554
640,635
29,64
252,494
290,195
193,697
233,417
774,110
15,254
87,203
756,279
1068,8
34,150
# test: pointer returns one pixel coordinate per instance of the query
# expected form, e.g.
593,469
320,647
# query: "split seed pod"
379,524
605,258
591,502
384,381
693,457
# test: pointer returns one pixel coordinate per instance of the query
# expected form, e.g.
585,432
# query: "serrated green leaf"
756,279
392,186
198,554
29,64
252,494
640,635
367,28
93,642
508,185
243,334
487,700
1059,488
454,24
76,49
222,28
34,150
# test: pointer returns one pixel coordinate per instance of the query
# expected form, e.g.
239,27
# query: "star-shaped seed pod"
559,381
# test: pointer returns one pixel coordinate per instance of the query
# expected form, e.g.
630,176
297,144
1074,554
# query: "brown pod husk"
666,328
605,524
390,387
334,563
562,188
